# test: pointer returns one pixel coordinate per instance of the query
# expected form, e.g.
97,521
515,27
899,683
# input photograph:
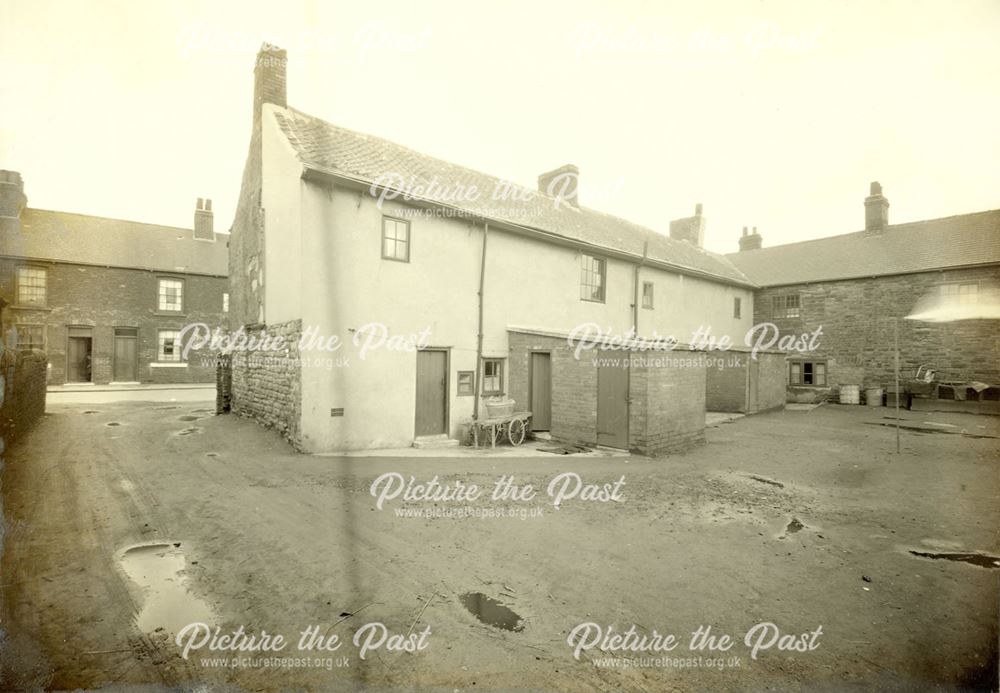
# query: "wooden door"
612,407
541,392
432,392
78,360
125,369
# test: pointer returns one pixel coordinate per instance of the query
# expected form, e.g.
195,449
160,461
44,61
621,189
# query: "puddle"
491,612
794,526
166,601
91,411
165,408
188,417
765,480
211,454
112,423
188,431
978,559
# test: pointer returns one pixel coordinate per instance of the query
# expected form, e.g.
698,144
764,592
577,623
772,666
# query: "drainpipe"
479,336
635,289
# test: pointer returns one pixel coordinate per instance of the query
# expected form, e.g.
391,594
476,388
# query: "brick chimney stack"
270,81
750,241
562,183
876,209
12,202
690,229
204,221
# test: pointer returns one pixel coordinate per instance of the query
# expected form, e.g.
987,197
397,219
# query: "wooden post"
895,332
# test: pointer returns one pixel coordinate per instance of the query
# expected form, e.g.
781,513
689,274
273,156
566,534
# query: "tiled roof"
63,236
339,151
958,241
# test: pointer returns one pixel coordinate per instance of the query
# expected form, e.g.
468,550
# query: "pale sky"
771,114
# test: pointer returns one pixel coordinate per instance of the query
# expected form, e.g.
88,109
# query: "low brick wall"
266,385
735,382
24,375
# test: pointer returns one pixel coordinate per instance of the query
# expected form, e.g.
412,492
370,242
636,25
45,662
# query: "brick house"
480,284
860,286
107,299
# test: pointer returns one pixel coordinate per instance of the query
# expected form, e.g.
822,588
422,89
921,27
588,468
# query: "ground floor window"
492,376
465,383
807,373
31,337
169,346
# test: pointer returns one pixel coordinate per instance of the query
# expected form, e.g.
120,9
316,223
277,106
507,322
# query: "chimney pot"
745,231
751,241
697,210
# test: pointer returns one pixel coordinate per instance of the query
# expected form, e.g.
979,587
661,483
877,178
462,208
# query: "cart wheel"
515,432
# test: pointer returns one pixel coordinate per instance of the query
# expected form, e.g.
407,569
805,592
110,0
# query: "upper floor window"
395,239
737,307
168,346
965,294
492,376
647,295
785,306
32,286
171,295
592,278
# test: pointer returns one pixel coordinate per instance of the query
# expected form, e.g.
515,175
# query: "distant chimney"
876,209
12,203
750,241
204,224
270,84
562,184
690,229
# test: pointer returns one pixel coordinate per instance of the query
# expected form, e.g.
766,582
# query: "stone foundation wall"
266,385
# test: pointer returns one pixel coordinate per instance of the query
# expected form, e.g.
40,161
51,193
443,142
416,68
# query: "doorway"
432,392
541,391
612,406
125,367
79,355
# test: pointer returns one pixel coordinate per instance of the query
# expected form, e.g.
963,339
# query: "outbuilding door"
541,391
432,392
125,355
612,406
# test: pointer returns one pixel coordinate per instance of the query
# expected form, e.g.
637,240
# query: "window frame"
160,295
817,368
160,343
468,390
587,272
31,325
408,242
648,305
225,301
20,286
499,376
783,305
956,294
737,307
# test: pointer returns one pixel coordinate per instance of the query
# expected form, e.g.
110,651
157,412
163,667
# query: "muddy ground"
799,518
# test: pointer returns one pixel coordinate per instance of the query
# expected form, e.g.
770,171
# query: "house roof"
341,152
921,246
79,238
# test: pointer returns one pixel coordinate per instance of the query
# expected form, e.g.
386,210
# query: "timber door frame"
69,337
114,352
447,389
531,382
628,406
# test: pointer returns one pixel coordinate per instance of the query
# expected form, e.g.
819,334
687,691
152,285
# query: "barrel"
850,394
873,397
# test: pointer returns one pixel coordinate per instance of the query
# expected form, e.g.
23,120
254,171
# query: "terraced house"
936,281
108,299
439,300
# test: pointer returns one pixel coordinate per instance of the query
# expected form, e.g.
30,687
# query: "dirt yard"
804,519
